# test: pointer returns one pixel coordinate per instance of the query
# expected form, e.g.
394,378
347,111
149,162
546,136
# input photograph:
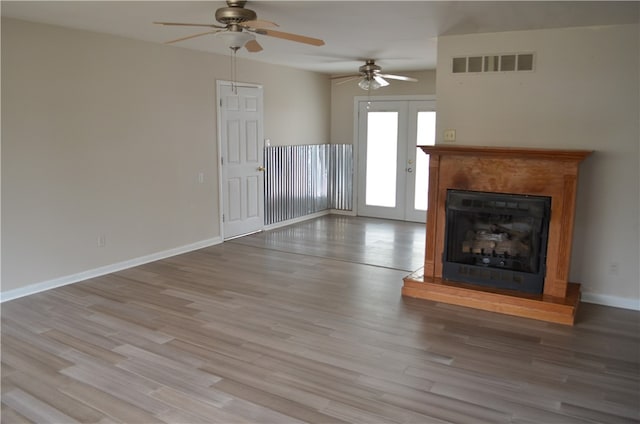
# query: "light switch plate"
449,135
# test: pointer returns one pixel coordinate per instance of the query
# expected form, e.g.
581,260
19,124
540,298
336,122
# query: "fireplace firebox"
496,240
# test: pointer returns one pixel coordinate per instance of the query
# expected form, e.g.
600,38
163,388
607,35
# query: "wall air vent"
507,62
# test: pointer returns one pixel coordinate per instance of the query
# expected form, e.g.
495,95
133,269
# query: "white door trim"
221,205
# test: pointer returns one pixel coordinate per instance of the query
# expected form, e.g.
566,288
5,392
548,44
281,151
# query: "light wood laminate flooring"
305,324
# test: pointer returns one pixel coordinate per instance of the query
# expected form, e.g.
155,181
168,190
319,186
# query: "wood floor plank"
33,363
145,357
449,409
582,414
34,409
294,409
256,380
120,325
55,399
178,415
305,324
117,409
205,409
118,388
10,415
83,346
107,371
167,350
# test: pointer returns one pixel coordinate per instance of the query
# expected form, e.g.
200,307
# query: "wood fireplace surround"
525,171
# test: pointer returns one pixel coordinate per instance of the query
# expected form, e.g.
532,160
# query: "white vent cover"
507,62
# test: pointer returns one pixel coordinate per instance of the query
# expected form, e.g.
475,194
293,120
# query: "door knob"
261,168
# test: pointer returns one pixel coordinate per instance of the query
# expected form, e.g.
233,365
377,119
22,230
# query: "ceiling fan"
238,28
371,77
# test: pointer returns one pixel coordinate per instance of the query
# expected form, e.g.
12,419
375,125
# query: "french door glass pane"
382,154
426,135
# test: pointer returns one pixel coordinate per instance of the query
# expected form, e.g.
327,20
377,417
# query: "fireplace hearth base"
550,173
540,307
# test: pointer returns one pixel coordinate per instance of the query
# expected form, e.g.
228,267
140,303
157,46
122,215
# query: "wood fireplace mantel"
525,171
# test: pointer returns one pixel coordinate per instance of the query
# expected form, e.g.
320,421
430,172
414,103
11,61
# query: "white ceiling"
401,35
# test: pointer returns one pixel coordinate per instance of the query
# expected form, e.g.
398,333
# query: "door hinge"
223,218
220,102
221,160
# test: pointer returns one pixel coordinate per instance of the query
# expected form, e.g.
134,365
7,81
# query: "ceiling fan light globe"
235,39
375,84
365,84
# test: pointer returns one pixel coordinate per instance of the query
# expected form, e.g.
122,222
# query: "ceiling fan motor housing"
369,68
235,13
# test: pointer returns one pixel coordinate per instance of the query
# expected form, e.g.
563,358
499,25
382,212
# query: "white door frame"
221,204
356,132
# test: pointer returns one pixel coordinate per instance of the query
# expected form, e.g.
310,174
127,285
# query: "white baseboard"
103,270
296,220
615,301
341,212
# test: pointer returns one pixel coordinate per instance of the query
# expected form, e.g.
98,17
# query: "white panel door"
242,143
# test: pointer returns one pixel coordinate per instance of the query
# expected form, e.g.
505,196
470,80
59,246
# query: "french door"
392,172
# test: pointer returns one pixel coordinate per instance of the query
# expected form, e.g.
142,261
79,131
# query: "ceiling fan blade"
380,80
354,77
259,23
253,46
188,24
398,77
190,36
291,37
345,76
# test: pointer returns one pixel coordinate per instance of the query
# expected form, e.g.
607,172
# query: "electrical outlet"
450,135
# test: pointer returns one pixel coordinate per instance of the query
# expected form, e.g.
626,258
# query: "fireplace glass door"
496,239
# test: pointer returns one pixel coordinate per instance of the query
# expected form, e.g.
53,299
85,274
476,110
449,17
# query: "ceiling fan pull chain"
234,86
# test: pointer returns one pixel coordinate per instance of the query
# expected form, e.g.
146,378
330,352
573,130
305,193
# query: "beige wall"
583,94
342,98
103,135
297,103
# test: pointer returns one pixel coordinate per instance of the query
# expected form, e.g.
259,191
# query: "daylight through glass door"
382,152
